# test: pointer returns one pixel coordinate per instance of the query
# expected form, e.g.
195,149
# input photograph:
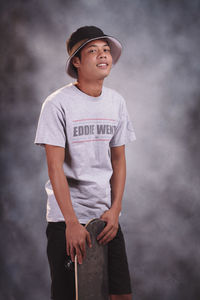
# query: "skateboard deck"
91,277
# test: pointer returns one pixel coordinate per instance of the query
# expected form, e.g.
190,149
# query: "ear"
76,61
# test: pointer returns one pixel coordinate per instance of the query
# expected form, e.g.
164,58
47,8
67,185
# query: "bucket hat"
84,35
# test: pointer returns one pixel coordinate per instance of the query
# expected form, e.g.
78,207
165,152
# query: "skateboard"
91,277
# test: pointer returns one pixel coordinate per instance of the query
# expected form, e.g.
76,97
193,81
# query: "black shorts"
63,283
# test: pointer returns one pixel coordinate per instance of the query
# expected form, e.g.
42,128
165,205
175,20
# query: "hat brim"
115,50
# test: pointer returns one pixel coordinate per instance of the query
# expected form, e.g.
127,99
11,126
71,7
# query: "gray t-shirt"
86,127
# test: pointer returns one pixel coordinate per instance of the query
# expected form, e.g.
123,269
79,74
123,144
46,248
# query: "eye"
92,50
107,50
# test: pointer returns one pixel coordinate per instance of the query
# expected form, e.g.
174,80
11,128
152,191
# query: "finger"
104,231
68,251
72,253
108,237
104,240
103,234
88,239
83,251
103,217
105,237
79,255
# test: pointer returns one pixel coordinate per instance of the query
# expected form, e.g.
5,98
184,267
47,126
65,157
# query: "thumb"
103,216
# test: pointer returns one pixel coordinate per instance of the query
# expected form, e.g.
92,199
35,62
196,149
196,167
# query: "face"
95,62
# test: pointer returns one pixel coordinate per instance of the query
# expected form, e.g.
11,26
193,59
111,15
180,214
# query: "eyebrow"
97,46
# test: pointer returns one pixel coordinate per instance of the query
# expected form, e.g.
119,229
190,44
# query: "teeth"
99,65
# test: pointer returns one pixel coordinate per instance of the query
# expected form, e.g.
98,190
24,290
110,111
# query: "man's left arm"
117,182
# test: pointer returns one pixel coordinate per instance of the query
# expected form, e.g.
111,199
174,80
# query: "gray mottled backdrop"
158,75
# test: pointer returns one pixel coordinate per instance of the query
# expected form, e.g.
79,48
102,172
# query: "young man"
84,128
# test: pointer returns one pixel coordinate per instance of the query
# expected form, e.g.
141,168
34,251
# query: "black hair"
78,54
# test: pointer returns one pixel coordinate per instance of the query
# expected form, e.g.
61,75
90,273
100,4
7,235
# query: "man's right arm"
76,234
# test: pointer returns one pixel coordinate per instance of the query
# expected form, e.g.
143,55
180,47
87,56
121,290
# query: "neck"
91,88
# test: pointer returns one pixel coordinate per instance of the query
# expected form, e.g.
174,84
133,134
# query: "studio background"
158,75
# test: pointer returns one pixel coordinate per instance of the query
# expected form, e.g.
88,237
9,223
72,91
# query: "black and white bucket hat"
84,35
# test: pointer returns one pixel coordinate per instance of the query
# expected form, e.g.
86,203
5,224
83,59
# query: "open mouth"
102,65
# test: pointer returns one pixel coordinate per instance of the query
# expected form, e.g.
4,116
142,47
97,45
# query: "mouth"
102,65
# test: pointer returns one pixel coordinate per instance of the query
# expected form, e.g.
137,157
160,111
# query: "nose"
102,53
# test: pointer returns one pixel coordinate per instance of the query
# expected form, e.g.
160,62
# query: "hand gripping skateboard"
91,277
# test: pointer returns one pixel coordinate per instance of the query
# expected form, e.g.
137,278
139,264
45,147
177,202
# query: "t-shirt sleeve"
124,132
51,127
